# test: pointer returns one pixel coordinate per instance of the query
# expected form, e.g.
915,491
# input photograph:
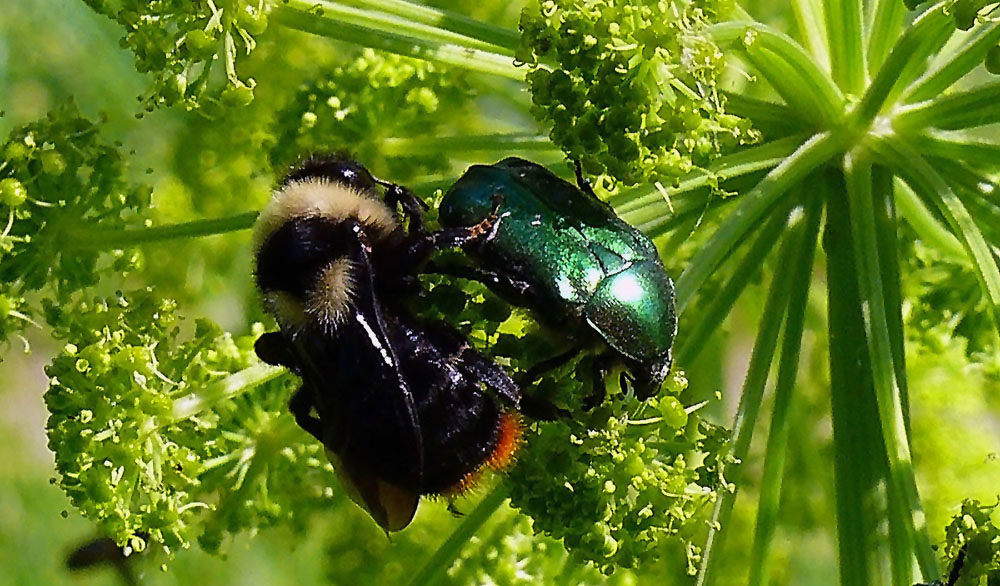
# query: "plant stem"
387,18
696,339
485,142
435,567
438,18
956,146
933,188
886,24
872,286
787,67
977,107
845,30
752,207
752,395
112,239
375,31
906,60
809,18
772,118
227,388
971,56
927,226
777,441
855,420
744,162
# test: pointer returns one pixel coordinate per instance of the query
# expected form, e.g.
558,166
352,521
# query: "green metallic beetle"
563,253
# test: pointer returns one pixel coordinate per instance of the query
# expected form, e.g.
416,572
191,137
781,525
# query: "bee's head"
304,235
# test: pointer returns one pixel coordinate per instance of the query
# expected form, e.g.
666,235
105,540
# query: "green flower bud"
12,192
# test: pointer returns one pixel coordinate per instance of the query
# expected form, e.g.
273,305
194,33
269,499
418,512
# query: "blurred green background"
52,50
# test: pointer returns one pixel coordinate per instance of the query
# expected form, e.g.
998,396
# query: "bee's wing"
370,423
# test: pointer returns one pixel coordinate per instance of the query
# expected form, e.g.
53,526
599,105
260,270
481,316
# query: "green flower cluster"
619,491
161,440
972,547
633,92
59,180
179,42
367,105
509,553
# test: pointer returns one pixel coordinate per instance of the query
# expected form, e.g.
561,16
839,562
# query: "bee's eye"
294,255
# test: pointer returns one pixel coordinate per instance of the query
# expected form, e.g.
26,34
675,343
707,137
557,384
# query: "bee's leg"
274,349
413,206
301,406
497,381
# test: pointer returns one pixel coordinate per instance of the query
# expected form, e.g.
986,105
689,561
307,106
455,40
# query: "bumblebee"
404,407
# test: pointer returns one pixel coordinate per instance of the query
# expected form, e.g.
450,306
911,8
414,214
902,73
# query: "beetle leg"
542,409
582,183
599,370
424,245
540,368
301,407
453,509
504,285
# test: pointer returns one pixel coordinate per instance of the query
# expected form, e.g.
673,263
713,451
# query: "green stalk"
968,109
777,441
696,339
927,226
380,19
883,31
787,67
380,32
932,188
956,146
771,118
845,30
901,483
443,19
809,21
753,393
907,59
227,388
971,56
112,239
744,162
484,142
434,569
752,207
856,434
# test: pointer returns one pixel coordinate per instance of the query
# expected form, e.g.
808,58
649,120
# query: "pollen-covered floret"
630,88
